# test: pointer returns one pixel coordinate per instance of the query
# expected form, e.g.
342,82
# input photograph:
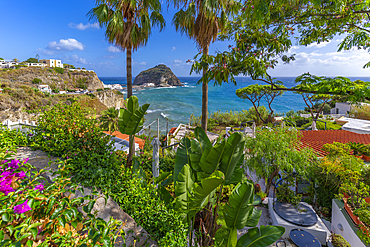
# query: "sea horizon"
177,103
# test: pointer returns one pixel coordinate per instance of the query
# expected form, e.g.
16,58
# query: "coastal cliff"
160,76
20,98
56,78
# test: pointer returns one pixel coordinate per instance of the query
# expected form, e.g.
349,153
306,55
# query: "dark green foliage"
12,138
67,132
64,130
143,203
82,83
36,81
59,70
32,60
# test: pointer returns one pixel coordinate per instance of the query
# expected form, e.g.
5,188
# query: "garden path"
135,235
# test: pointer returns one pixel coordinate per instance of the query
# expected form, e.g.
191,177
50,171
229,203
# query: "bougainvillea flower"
14,164
25,160
6,174
39,187
20,175
22,208
5,185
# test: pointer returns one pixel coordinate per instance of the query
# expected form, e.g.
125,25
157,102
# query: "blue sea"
178,103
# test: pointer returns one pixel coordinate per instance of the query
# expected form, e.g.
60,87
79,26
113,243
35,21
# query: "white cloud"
113,49
316,45
64,45
84,26
75,59
173,48
142,63
177,61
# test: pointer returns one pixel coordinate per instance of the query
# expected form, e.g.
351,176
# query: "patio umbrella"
313,126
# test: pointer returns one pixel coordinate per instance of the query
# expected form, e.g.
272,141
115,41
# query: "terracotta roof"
118,134
317,138
172,130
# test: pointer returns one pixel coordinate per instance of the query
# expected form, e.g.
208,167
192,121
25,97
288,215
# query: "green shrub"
99,89
321,126
36,213
11,139
339,241
59,70
144,205
36,81
67,132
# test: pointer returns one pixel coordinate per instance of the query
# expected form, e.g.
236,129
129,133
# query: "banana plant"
131,120
200,170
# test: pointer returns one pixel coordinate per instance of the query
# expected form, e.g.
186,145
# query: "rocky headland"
159,76
20,98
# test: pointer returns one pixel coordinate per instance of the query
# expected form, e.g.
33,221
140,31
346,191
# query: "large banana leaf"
237,211
261,237
202,138
211,158
253,217
131,120
204,192
182,157
233,151
183,187
198,147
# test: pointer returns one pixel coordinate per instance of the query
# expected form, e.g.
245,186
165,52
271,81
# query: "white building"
52,63
343,108
7,65
36,65
44,88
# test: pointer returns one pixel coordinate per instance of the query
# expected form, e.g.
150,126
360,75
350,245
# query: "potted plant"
366,153
358,149
325,211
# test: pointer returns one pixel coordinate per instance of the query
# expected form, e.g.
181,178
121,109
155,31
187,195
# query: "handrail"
168,147
321,121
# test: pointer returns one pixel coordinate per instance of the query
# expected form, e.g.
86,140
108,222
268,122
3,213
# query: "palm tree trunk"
131,150
205,95
129,71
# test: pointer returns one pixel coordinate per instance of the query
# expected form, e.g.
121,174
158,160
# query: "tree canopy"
263,33
32,60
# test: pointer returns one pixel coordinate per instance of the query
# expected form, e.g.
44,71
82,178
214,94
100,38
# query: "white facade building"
343,108
354,125
7,65
52,63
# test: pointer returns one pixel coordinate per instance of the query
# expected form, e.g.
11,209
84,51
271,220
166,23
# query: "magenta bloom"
14,164
22,208
20,175
25,160
5,185
39,187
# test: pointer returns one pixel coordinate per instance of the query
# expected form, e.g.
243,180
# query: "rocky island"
159,76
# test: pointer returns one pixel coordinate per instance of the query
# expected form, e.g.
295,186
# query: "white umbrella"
254,128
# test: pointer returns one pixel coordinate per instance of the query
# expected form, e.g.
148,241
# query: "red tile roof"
118,134
317,138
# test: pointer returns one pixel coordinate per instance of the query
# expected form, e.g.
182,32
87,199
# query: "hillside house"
44,88
52,63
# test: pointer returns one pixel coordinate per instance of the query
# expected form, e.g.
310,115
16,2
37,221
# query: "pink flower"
20,175
252,6
39,187
22,208
14,164
5,186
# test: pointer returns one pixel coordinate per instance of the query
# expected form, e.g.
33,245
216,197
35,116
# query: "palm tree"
109,120
128,25
202,21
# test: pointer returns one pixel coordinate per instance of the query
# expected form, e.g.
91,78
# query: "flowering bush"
36,213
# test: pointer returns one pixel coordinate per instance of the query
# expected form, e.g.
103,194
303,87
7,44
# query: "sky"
62,30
